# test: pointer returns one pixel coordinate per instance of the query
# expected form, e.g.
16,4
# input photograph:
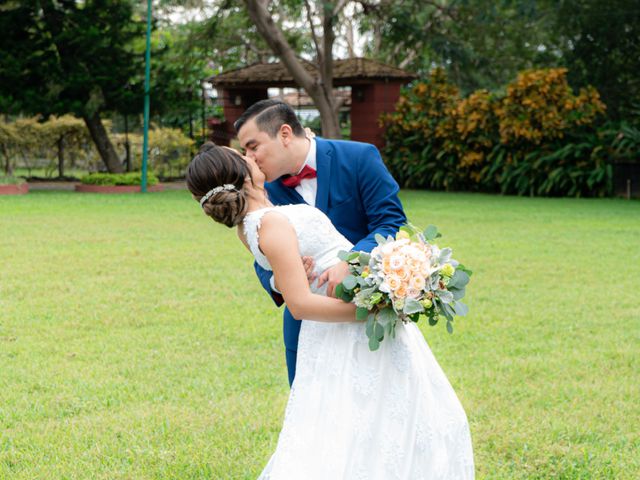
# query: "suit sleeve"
265,280
379,194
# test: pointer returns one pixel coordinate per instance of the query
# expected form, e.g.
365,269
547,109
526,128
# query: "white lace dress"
355,414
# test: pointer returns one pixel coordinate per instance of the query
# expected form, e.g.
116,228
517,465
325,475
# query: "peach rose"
401,292
404,273
425,269
386,265
413,293
418,282
394,282
396,262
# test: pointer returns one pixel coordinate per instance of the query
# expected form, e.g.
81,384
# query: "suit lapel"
323,164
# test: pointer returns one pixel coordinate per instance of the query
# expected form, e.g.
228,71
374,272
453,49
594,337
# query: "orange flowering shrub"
537,138
413,131
540,106
469,134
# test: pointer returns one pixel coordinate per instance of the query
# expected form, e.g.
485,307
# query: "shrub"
113,179
538,138
11,180
414,141
169,150
59,141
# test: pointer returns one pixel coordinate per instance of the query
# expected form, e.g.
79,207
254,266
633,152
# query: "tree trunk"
8,170
319,89
103,143
61,156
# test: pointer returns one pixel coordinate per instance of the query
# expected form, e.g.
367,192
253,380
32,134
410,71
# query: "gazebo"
375,89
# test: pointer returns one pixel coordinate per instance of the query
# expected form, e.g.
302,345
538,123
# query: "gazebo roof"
349,71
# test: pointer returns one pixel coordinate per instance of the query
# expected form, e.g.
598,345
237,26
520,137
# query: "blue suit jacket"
360,197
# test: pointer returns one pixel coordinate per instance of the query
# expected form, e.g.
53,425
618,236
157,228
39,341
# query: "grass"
136,343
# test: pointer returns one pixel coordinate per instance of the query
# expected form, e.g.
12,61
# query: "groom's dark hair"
270,115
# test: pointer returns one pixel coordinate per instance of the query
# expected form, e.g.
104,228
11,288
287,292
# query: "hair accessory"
213,191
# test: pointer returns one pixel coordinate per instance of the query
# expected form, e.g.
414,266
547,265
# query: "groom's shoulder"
349,147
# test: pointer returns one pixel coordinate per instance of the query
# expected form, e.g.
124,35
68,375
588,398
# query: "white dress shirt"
309,186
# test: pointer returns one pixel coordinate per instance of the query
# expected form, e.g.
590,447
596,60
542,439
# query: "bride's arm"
279,244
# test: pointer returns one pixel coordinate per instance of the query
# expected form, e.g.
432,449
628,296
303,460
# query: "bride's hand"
334,276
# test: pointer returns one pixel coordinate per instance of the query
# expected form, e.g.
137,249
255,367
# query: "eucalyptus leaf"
464,269
449,327
371,320
361,314
380,239
430,232
343,255
388,329
339,290
364,258
347,296
352,256
459,279
374,344
445,255
447,311
378,331
387,315
444,296
411,306
458,293
460,308
350,282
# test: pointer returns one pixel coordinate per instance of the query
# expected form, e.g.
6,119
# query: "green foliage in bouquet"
114,179
404,278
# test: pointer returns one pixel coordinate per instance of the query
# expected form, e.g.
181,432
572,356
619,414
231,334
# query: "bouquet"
402,279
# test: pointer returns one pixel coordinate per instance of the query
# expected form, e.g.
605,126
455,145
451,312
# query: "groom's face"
268,152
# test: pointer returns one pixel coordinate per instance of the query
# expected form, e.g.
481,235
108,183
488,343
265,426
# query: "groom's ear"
286,134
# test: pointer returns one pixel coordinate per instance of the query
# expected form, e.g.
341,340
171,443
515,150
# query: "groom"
346,180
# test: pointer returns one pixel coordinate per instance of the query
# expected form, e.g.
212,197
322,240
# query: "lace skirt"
355,414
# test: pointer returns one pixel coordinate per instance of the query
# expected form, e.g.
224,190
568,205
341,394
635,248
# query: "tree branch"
339,6
319,52
274,37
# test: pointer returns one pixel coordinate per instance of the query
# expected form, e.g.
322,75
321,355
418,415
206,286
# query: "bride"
352,413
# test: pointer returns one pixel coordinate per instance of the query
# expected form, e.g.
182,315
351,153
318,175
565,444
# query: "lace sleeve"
251,225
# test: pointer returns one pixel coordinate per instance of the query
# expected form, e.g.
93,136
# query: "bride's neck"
257,200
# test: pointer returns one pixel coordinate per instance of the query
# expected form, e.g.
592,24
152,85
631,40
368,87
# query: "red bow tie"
294,180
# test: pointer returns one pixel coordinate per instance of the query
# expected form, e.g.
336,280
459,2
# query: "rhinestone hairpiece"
213,191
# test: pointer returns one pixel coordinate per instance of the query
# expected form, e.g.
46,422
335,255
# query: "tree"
180,64
68,56
601,47
479,43
319,88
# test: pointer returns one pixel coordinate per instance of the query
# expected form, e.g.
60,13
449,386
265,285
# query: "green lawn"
136,343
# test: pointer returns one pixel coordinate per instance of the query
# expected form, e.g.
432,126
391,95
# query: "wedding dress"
354,414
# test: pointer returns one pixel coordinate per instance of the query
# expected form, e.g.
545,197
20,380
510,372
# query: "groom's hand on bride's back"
309,266
333,276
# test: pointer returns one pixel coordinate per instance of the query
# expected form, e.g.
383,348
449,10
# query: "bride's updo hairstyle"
212,167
